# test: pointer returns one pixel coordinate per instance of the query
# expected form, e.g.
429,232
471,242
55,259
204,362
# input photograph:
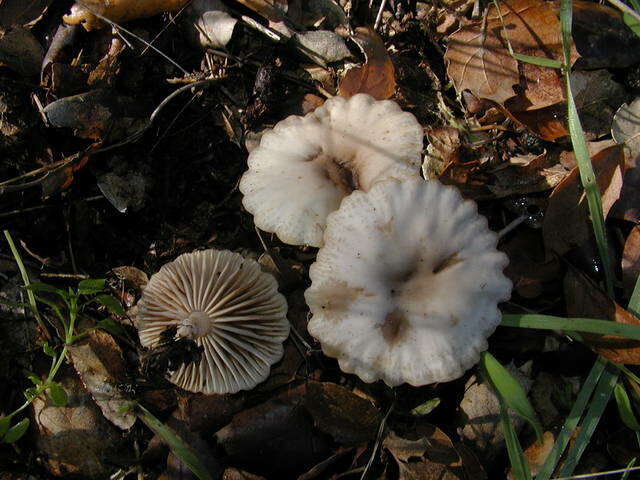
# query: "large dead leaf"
586,299
597,97
566,224
480,415
478,61
76,439
20,51
275,435
477,56
377,76
428,453
348,418
98,360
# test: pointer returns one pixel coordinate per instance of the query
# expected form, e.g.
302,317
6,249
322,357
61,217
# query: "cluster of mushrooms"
407,281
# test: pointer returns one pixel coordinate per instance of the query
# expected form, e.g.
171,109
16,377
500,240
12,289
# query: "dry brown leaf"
480,415
478,61
76,439
533,29
566,223
98,360
377,76
275,435
118,11
631,261
586,299
547,123
477,56
429,453
336,410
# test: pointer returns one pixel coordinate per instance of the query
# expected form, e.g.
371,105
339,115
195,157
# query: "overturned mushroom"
227,306
305,166
407,284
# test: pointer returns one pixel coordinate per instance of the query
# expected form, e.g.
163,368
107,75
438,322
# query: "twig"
383,4
381,429
118,27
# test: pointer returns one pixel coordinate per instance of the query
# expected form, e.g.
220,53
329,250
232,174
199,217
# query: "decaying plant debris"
129,132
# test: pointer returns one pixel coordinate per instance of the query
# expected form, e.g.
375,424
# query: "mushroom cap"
407,284
226,304
305,166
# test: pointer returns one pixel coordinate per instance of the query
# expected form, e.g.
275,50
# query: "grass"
601,381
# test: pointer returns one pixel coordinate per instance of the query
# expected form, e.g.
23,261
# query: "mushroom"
227,306
305,166
407,284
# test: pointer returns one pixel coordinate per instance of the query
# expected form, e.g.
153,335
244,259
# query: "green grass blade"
572,420
634,301
587,175
176,444
589,325
601,397
624,407
539,61
519,465
509,390
26,282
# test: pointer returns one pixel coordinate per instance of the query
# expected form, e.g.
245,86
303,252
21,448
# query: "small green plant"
66,304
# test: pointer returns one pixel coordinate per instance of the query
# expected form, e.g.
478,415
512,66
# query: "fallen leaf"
206,413
477,56
98,360
547,123
480,415
118,11
532,275
627,207
97,114
585,299
377,76
478,61
274,436
601,37
326,45
208,23
347,417
566,224
631,261
597,97
75,439
426,454
20,51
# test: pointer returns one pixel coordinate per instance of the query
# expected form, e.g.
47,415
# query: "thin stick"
383,4
118,27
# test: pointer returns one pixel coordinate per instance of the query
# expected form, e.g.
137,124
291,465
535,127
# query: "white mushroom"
407,284
226,305
305,166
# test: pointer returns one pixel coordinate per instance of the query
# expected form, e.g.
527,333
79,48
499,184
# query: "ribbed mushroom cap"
227,305
407,284
305,166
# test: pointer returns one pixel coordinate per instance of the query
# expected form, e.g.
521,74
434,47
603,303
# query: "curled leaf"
377,76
